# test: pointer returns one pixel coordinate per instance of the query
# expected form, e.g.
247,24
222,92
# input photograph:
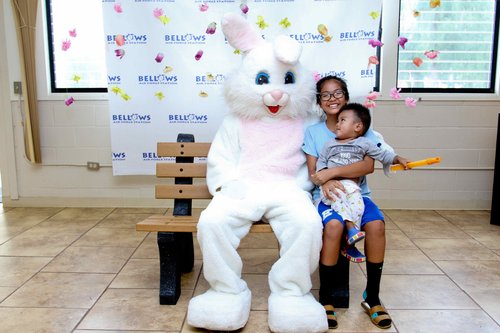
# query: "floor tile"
397,240
121,220
90,259
5,292
69,290
135,309
488,301
258,261
30,320
145,273
431,229
474,219
454,249
408,262
156,211
82,213
17,270
259,241
148,248
397,215
489,238
473,275
443,321
111,237
423,292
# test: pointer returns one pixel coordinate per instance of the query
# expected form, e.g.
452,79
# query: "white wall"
462,132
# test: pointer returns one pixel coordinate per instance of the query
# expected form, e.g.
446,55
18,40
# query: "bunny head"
270,82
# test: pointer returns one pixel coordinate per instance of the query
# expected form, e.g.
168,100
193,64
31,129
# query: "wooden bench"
175,228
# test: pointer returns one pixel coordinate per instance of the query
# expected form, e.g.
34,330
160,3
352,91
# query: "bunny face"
270,82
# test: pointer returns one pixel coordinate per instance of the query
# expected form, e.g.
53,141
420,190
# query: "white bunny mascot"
256,169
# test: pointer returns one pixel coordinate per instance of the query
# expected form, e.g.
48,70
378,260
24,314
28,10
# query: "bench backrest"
183,171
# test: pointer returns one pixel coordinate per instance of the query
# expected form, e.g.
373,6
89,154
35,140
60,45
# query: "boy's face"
349,126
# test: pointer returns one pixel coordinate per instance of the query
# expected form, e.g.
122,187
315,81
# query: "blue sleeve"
308,146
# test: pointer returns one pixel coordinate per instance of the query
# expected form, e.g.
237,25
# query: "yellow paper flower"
117,90
203,94
375,15
76,78
322,29
167,69
125,97
435,3
261,23
285,23
159,95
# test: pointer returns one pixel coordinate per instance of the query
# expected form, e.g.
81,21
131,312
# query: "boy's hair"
361,111
341,81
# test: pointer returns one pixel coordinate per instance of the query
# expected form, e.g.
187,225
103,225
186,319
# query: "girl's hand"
330,189
401,160
321,177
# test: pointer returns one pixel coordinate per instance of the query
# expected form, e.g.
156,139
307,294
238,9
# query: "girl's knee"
375,228
333,230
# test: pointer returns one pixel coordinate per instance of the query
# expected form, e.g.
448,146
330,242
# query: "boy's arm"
355,170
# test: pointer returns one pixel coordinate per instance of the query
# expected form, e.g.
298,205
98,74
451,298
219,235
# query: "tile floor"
88,270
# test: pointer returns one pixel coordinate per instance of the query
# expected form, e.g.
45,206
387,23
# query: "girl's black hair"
341,81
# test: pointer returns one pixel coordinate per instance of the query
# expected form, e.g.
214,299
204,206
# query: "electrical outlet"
93,166
18,87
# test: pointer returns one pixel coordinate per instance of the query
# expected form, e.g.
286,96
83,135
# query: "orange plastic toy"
416,164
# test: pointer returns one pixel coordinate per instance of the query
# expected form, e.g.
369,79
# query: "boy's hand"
401,160
321,177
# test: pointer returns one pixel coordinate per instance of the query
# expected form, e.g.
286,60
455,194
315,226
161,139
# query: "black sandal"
331,315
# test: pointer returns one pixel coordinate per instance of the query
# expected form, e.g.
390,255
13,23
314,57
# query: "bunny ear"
239,33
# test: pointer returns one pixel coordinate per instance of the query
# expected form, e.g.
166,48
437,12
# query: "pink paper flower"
119,53
372,96
159,57
316,76
244,8
198,55
395,93
375,43
119,40
118,7
370,103
373,60
432,54
203,7
417,61
410,102
72,33
69,101
402,41
66,44
158,12
211,28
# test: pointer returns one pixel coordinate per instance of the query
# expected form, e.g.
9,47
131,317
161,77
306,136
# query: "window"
452,46
76,46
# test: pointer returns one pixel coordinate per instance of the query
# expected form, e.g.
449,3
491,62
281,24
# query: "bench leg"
341,290
176,256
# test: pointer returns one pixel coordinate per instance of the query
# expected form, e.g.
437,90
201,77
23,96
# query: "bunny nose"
277,94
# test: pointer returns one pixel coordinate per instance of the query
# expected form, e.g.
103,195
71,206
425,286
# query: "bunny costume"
257,170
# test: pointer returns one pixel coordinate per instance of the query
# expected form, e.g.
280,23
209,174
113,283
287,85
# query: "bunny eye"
262,78
289,78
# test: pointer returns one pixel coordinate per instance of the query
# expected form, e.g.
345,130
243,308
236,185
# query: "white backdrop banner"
167,60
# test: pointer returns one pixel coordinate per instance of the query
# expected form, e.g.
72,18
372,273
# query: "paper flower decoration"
417,61
118,7
159,57
76,78
198,55
416,13
167,69
203,7
285,23
410,102
323,31
159,95
68,101
125,97
372,96
375,43
158,12
119,53
116,90
316,76
432,54
203,94
373,60
374,15
370,103
395,93
72,33
244,8
66,44
261,23
120,40
211,28
434,3
402,41
210,77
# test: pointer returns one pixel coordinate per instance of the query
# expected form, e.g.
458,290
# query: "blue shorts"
372,213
